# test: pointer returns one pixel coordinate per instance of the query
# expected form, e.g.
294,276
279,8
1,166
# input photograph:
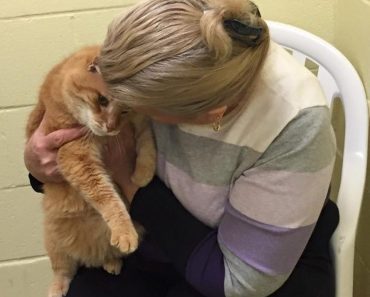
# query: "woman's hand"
40,155
120,159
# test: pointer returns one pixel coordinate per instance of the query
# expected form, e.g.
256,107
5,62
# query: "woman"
245,156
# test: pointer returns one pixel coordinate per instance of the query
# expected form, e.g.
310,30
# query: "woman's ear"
217,112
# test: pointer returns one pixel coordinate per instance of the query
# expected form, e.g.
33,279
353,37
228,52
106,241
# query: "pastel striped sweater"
248,196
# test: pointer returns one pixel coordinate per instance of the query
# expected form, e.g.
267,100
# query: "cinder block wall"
34,36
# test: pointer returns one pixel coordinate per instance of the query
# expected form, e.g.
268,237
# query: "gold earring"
217,124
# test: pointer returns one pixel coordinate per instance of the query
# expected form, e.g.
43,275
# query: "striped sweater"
251,193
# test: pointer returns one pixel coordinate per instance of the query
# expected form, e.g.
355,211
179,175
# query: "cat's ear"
93,66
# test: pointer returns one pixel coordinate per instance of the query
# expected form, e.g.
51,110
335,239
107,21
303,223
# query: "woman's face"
201,119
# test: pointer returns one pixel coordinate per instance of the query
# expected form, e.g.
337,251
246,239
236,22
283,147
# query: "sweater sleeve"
274,206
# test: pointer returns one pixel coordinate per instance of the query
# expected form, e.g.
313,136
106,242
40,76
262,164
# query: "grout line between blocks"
12,107
65,12
14,187
24,260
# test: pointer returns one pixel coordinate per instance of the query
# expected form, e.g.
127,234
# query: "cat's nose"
111,125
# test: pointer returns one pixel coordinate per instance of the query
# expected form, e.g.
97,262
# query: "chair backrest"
338,79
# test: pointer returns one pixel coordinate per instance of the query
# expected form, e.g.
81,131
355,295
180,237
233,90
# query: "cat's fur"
86,221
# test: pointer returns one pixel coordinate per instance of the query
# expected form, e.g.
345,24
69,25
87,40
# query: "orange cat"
86,221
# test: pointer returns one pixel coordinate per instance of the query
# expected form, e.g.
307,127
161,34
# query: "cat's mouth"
103,131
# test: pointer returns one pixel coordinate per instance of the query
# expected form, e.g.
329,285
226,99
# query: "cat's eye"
103,101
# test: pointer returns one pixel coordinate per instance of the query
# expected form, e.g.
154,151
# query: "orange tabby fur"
86,221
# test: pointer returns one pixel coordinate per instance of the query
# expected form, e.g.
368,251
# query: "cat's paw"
125,238
59,287
113,266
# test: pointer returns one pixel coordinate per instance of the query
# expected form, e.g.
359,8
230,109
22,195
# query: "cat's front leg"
145,151
81,165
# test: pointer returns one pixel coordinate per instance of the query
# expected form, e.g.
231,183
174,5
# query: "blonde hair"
177,56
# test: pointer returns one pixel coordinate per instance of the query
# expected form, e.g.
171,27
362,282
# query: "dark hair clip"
244,33
241,28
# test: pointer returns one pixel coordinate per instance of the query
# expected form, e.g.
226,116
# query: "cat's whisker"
120,147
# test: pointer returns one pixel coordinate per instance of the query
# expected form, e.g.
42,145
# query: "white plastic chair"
338,79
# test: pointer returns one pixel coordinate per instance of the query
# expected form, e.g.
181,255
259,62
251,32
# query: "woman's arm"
274,206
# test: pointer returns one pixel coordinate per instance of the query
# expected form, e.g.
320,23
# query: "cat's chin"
113,133
98,132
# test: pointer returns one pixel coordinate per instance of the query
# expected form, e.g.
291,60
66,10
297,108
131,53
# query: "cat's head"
87,94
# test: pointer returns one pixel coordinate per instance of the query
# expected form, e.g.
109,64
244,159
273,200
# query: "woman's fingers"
58,138
40,155
41,162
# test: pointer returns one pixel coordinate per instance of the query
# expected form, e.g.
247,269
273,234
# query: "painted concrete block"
25,278
91,27
361,285
12,126
315,15
21,232
31,46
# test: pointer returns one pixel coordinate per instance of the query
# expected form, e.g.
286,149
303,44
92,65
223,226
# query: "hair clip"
241,28
240,31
